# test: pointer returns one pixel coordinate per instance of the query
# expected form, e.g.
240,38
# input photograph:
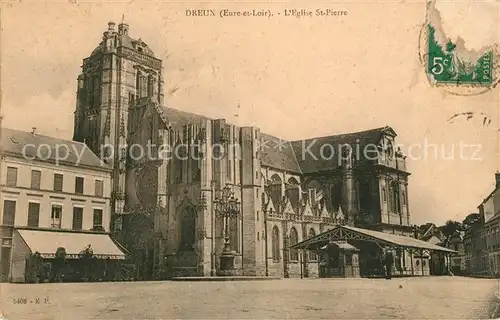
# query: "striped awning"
47,242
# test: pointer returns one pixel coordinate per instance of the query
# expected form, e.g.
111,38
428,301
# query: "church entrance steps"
222,278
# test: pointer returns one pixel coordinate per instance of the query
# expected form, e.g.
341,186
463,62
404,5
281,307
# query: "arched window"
312,255
335,196
390,150
294,239
188,229
150,85
275,189
138,83
144,86
276,244
394,198
141,85
292,192
390,204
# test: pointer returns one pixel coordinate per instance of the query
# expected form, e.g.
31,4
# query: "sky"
295,78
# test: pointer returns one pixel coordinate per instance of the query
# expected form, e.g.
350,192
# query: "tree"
87,257
34,268
471,220
58,265
450,228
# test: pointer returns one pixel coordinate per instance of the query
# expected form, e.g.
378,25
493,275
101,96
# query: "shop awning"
47,242
346,233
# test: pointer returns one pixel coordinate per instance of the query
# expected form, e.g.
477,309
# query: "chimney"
111,26
33,130
497,180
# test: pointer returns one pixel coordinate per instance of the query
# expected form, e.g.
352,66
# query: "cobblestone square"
403,298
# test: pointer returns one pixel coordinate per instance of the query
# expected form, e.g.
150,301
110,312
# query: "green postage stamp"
446,66
450,64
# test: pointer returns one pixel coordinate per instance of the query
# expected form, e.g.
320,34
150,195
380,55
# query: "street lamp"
226,206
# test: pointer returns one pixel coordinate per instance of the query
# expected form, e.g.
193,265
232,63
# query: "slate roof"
179,118
431,231
314,163
14,141
278,153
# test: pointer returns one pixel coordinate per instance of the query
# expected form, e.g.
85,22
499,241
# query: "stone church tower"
121,85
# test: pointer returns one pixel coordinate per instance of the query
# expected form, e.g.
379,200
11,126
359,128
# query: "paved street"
419,298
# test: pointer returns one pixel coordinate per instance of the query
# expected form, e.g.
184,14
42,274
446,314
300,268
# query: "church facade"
169,166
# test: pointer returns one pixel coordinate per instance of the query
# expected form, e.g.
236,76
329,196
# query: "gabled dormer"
307,211
288,208
270,208
339,215
389,153
325,213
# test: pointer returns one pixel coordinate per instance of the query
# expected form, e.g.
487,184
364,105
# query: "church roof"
308,152
44,148
290,155
179,118
124,40
278,153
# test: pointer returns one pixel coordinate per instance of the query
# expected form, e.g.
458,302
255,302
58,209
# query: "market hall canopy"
47,242
346,233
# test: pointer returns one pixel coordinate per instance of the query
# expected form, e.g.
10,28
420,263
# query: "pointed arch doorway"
187,263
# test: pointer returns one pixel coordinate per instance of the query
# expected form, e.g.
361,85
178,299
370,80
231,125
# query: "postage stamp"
449,64
446,66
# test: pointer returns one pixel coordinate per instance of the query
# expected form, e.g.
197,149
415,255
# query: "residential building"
476,255
54,193
457,260
439,262
489,211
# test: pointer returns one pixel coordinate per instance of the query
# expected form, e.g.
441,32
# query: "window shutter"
58,182
33,214
36,179
11,176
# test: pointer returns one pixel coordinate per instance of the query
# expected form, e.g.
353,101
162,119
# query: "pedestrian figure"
389,260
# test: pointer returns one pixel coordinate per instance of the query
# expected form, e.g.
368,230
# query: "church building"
169,166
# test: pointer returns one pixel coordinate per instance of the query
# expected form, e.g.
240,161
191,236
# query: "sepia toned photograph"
250,160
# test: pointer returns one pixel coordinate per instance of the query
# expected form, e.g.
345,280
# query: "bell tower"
120,75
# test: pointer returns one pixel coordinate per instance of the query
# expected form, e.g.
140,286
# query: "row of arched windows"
292,191
294,239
